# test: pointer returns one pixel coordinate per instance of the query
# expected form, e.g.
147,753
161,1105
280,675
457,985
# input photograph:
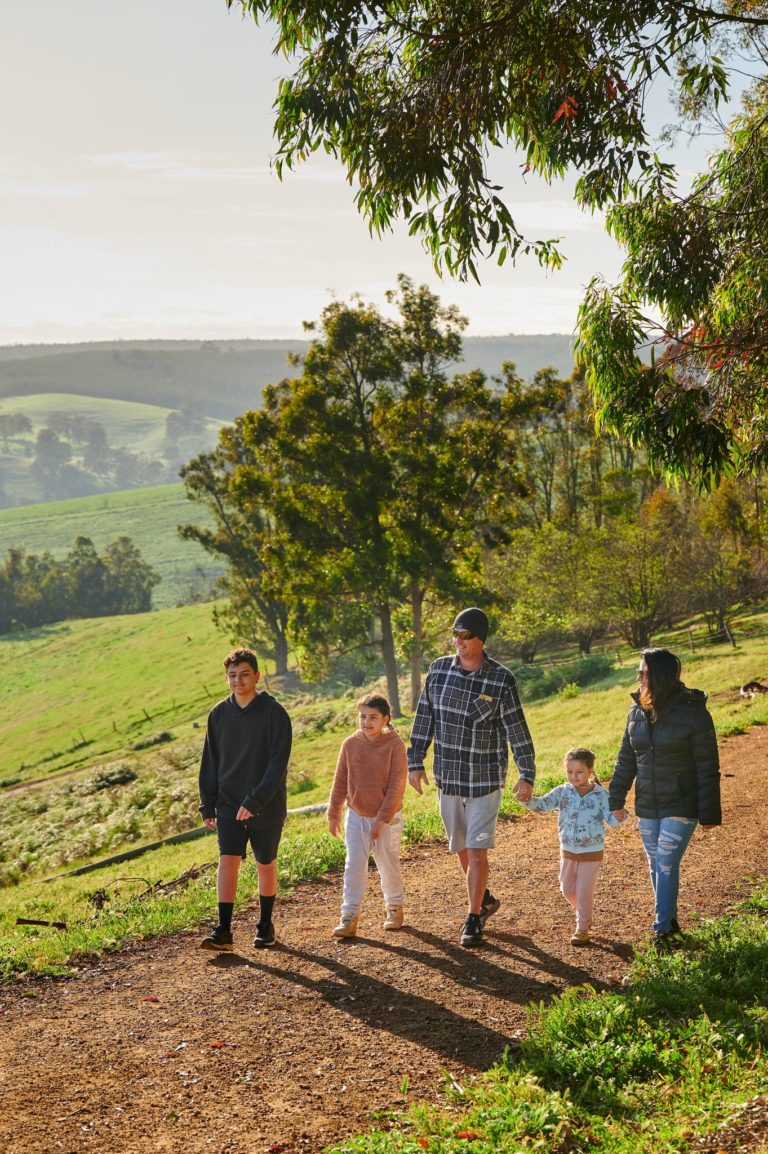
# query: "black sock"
266,906
225,915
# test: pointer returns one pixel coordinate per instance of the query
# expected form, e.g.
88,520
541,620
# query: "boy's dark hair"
376,701
242,657
581,754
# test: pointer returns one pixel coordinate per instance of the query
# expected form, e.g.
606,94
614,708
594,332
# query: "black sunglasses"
463,635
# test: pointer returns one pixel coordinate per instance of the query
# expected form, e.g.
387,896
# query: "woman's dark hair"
663,677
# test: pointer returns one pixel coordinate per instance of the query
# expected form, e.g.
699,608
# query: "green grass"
653,1068
83,692
150,517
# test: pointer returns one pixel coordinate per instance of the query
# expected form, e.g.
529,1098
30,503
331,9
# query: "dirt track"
166,1048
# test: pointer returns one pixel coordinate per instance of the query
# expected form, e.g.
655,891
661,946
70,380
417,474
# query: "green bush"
537,682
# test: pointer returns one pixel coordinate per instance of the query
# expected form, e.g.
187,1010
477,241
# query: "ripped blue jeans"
665,840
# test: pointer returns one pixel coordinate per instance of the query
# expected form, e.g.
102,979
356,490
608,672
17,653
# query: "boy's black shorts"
234,837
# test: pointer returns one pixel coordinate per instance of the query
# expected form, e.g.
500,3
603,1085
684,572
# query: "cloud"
172,167
196,168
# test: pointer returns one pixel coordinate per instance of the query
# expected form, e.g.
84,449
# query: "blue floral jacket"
580,820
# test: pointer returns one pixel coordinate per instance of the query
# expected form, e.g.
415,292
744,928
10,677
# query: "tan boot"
347,927
394,918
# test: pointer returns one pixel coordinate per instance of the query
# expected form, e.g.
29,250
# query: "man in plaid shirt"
471,710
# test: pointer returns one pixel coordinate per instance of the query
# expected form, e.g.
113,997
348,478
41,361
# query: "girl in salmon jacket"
371,775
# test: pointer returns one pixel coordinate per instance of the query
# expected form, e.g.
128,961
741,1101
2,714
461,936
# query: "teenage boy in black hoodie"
243,791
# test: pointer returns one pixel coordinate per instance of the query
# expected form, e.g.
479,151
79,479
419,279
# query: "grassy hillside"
222,378
131,428
148,516
84,691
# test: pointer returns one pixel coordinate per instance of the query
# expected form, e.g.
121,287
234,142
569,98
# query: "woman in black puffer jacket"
669,751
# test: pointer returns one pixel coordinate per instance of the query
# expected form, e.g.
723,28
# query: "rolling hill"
220,378
148,516
137,445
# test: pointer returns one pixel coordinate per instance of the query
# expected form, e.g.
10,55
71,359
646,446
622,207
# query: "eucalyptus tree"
381,475
414,98
241,531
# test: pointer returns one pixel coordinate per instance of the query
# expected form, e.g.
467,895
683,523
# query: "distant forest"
220,379
37,589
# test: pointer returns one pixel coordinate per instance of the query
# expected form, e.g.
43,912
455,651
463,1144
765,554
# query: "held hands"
620,814
523,790
418,778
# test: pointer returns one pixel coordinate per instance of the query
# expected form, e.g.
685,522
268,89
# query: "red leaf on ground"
217,1045
150,999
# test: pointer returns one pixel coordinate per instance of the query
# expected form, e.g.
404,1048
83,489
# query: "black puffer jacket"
674,762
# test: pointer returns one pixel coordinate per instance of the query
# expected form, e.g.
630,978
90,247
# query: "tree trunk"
417,652
390,664
281,653
585,644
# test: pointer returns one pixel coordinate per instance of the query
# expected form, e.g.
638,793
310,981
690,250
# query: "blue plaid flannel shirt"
471,717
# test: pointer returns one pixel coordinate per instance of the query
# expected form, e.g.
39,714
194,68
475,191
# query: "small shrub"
570,690
300,781
156,739
105,779
537,682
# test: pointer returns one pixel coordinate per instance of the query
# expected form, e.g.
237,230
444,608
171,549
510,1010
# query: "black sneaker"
472,931
490,906
218,939
663,942
265,935
674,928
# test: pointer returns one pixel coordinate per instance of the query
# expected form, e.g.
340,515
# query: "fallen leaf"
217,1045
149,999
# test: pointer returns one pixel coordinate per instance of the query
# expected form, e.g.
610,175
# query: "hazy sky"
136,197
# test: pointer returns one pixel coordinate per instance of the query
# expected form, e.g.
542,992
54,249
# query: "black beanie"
474,621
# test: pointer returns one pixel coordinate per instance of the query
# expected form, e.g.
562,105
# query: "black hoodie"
673,762
245,760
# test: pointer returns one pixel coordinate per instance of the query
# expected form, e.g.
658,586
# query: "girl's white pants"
386,854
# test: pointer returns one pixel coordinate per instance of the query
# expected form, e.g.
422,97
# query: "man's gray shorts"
470,822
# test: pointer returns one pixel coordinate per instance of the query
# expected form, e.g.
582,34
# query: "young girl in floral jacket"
583,813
